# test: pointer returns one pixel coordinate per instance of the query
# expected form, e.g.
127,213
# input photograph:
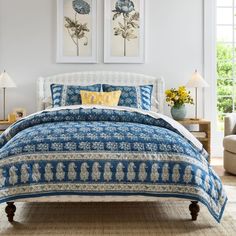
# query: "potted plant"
176,99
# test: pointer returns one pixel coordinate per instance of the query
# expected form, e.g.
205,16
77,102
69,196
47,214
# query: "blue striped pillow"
66,95
133,96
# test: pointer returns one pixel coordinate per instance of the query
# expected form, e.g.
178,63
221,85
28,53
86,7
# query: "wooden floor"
217,163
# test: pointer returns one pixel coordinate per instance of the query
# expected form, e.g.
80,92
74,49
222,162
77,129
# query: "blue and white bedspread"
94,150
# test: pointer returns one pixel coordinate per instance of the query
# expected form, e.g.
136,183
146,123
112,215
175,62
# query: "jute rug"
161,218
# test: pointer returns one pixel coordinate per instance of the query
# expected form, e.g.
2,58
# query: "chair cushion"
230,143
230,162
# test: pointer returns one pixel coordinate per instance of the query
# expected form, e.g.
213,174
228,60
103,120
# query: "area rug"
161,218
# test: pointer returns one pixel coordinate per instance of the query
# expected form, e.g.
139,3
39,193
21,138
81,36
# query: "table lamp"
5,82
196,82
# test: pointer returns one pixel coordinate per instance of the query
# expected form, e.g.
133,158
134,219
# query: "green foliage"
224,61
225,87
225,105
225,83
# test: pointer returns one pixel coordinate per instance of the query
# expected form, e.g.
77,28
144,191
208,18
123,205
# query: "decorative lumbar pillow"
100,98
66,95
133,96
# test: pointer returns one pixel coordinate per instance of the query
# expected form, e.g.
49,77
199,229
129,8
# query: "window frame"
210,61
210,69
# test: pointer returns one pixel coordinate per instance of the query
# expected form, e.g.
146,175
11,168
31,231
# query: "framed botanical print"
76,31
124,31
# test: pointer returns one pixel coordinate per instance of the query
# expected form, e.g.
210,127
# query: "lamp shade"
6,81
197,81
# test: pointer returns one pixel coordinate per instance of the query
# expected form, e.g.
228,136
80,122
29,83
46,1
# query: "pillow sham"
66,95
133,96
100,98
47,102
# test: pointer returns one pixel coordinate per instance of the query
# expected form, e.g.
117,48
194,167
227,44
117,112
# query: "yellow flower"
176,97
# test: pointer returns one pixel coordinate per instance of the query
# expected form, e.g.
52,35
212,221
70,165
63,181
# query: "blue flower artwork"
81,7
124,6
127,22
77,29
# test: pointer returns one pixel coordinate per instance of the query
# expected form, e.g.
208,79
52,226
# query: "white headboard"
100,77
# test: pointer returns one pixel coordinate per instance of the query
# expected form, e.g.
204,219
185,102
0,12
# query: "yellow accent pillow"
100,98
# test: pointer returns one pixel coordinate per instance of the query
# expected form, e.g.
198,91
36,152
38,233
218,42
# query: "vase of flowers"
176,99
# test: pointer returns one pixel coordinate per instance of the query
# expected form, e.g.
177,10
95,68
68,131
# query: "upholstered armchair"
230,144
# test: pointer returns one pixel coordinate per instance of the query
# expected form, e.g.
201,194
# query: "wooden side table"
201,129
4,124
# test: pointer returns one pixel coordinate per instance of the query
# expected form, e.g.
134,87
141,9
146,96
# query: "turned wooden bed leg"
10,210
194,209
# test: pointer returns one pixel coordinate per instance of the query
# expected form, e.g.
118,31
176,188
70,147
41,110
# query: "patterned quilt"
85,150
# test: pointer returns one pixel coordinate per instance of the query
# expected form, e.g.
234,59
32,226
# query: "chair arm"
230,124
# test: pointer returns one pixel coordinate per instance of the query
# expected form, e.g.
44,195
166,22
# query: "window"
226,59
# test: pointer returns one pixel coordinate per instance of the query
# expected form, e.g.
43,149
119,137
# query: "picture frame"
76,31
117,19
19,113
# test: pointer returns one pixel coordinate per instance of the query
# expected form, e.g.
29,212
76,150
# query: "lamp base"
197,119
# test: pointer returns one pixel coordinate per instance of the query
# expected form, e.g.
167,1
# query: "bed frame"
88,78
101,77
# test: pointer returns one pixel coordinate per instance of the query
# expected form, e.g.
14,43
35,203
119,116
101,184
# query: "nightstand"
4,124
201,129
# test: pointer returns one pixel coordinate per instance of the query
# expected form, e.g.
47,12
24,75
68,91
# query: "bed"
95,153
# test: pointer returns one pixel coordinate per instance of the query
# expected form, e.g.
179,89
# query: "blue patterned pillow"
137,97
66,95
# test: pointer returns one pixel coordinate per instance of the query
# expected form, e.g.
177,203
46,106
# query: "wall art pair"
123,31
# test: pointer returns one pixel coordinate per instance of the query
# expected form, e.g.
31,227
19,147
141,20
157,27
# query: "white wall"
174,44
